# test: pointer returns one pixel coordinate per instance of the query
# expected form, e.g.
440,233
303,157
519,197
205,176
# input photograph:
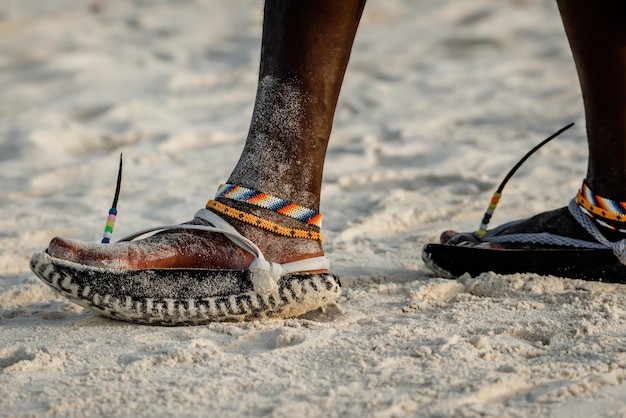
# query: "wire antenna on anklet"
495,199
108,229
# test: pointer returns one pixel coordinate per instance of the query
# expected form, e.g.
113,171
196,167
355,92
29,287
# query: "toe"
459,238
447,235
65,249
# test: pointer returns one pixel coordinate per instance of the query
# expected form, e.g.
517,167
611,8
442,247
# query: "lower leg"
597,37
305,50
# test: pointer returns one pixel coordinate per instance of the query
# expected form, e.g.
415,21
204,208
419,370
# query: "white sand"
440,99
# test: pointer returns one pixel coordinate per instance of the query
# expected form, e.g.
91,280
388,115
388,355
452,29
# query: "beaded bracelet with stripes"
262,223
273,203
601,207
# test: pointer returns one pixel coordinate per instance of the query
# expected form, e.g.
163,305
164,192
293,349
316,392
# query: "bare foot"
185,249
557,222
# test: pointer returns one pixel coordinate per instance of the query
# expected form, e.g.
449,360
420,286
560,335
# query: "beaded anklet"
600,208
267,201
242,194
262,223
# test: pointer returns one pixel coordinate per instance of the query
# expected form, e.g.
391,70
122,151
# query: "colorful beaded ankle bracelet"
242,194
267,201
262,223
600,208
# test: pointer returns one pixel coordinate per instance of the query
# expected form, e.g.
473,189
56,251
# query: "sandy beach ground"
440,99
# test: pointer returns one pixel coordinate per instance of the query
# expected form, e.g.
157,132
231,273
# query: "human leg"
597,38
255,250
305,51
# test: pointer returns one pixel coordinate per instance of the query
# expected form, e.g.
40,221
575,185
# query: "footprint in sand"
258,342
26,359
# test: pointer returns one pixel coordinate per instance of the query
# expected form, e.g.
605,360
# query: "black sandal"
591,256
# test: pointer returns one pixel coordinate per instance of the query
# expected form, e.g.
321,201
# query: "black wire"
529,153
119,184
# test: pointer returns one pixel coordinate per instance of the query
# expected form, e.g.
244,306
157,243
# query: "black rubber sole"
174,297
586,264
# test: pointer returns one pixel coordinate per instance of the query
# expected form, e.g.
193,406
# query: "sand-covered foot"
185,249
191,276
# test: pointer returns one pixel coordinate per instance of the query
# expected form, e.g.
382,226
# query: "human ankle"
608,214
277,248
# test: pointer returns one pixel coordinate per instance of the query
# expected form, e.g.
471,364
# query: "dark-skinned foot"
557,222
185,249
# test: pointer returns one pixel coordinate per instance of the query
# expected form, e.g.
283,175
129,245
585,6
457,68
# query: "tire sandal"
593,258
192,296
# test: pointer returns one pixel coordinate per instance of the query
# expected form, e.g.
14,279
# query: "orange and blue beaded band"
267,201
262,223
600,207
